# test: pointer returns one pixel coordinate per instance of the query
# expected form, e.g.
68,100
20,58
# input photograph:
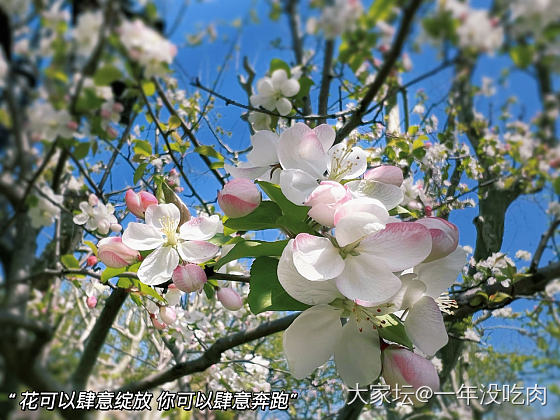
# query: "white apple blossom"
159,234
337,18
86,32
47,208
98,217
46,123
361,270
261,160
147,47
308,156
273,91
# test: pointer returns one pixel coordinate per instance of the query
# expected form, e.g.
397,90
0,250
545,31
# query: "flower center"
168,229
340,164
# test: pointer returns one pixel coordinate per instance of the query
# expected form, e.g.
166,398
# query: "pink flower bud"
445,237
91,260
113,253
91,302
105,114
115,227
72,125
93,200
138,203
167,314
230,298
112,133
403,367
158,325
325,200
189,277
118,107
386,174
239,197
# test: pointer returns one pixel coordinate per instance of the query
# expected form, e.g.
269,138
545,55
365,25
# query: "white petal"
264,87
142,237
390,195
368,278
284,106
400,245
439,275
310,340
298,287
424,325
278,77
264,149
244,171
316,258
297,185
158,267
81,218
290,88
357,354
197,252
411,291
299,148
326,135
347,165
200,228
163,213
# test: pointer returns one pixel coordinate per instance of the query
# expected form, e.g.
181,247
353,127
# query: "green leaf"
276,64
81,150
173,123
209,151
288,208
69,261
522,55
246,249
148,87
266,292
209,290
396,333
92,246
111,272
557,185
144,289
142,147
107,74
263,217
139,172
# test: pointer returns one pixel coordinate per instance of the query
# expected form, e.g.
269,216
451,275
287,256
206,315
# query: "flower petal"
390,195
368,278
347,165
326,135
424,325
284,106
158,267
244,171
264,148
439,275
357,354
142,237
200,228
157,215
290,87
81,219
316,258
298,287
299,148
297,185
400,245
310,340
197,252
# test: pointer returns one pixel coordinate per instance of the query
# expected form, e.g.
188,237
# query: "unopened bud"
167,314
189,277
138,203
113,253
91,260
91,302
239,197
229,298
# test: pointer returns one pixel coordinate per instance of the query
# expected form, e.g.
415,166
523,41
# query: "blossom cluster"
361,263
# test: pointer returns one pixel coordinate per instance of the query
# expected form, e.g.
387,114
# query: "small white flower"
99,217
273,91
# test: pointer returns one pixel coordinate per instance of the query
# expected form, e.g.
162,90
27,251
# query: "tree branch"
212,355
383,73
97,338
